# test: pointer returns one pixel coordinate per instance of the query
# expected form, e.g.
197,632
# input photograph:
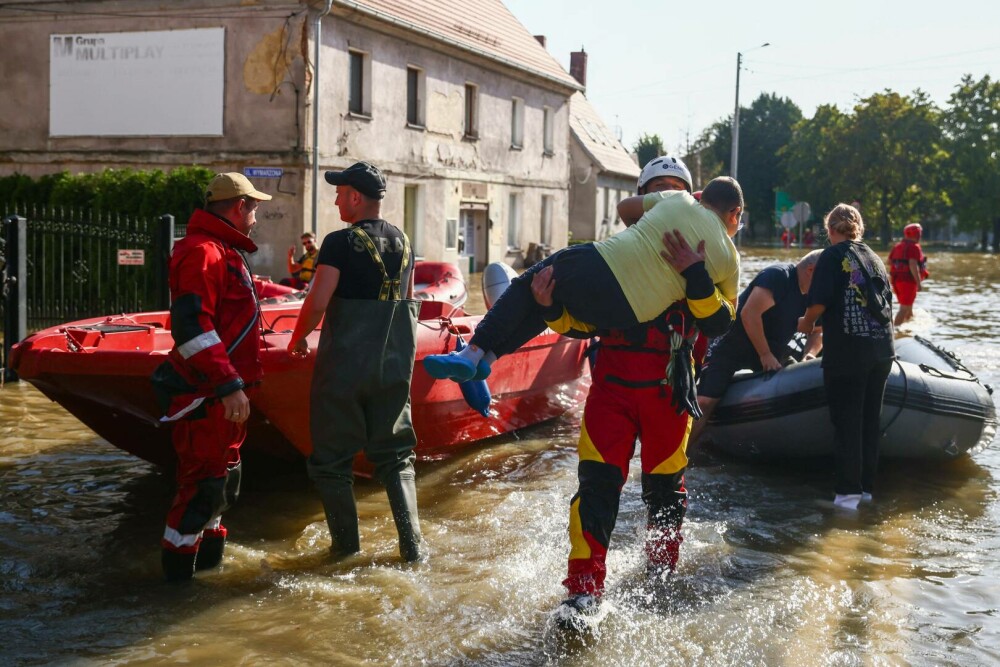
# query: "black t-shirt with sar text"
360,277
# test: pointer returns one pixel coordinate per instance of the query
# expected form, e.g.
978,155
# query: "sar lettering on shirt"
633,254
360,276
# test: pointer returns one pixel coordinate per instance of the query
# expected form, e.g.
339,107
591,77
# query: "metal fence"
61,265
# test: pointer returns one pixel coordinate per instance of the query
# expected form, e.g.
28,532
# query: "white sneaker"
847,501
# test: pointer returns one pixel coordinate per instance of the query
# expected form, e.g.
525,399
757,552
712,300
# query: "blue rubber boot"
449,367
482,371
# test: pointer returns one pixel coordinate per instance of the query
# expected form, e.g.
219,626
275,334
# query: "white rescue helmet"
664,166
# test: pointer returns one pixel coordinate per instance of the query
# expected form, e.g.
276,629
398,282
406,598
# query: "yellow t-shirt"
649,283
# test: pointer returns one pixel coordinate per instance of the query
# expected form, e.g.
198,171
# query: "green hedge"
123,191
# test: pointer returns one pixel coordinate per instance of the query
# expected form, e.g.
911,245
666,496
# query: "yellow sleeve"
570,326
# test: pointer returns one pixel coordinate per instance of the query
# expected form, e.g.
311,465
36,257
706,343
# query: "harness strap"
390,290
633,384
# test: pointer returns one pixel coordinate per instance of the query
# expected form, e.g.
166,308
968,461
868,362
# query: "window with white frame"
415,105
514,221
471,111
546,226
516,122
360,87
548,130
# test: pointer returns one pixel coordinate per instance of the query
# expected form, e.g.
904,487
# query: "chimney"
541,40
578,66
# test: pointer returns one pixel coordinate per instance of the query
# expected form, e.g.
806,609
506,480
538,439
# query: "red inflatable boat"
99,368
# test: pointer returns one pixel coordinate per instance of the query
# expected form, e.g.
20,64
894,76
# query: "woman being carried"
616,283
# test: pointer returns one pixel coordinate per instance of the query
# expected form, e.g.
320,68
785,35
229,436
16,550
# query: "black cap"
363,177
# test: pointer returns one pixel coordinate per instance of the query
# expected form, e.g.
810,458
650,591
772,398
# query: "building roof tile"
483,26
597,139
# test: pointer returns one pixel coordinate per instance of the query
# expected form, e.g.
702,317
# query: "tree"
648,147
972,135
814,161
893,149
765,128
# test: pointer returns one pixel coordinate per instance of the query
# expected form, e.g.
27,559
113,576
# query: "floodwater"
769,574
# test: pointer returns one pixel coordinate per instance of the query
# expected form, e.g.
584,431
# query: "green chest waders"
360,401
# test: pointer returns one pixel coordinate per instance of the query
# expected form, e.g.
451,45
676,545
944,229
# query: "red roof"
485,27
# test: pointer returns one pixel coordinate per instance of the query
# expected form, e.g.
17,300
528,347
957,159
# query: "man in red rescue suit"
629,399
215,323
360,394
908,269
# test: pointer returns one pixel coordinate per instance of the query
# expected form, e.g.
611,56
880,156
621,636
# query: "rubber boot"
177,567
401,487
211,548
341,518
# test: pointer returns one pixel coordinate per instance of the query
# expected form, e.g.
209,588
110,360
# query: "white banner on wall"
164,82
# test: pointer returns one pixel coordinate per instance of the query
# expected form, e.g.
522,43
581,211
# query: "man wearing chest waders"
360,395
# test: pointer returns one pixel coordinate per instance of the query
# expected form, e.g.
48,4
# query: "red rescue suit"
629,400
215,323
903,282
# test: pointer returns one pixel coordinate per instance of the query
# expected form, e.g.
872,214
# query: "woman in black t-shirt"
857,349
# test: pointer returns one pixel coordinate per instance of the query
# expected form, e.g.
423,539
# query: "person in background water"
215,323
360,395
809,238
908,268
766,319
301,270
628,400
858,349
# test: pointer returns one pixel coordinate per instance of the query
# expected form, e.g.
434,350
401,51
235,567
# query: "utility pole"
735,152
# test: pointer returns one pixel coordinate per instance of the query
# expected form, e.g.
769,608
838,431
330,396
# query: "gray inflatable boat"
935,408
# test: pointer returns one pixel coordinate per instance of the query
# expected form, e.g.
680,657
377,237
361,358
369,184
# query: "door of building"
472,238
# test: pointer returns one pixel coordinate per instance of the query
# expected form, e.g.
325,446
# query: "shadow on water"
80,566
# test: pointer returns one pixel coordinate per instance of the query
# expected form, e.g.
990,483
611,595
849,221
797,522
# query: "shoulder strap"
390,286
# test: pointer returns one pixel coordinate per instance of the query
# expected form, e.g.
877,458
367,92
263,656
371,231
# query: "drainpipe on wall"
317,33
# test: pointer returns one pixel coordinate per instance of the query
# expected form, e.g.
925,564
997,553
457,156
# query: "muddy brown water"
769,575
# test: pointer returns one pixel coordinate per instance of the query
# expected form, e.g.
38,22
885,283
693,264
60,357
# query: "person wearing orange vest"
908,269
302,269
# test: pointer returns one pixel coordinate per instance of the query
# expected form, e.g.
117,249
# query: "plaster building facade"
457,102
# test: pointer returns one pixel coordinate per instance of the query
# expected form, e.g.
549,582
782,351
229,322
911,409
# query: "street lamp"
735,155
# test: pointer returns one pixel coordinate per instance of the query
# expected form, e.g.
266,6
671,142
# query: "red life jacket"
899,260
215,320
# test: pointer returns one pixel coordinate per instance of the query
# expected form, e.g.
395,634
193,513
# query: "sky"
657,68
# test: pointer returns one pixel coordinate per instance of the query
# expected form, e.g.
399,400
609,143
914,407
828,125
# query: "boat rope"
111,319
948,356
71,343
930,370
902,403
451,276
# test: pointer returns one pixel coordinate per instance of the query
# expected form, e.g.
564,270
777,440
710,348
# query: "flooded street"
769,575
